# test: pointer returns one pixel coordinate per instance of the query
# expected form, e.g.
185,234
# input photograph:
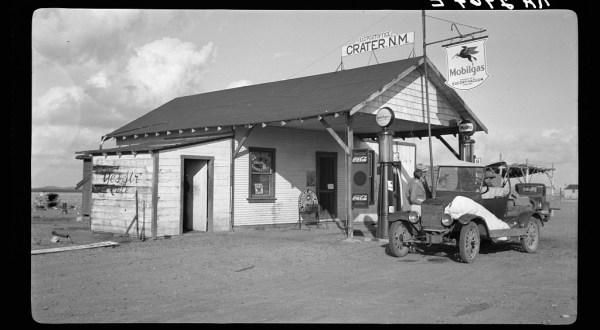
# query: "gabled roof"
572,187
285,100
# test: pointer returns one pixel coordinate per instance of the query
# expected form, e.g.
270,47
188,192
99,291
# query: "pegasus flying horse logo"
467,52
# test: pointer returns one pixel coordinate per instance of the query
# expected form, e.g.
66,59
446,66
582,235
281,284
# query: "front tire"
531,239
469,242
399,235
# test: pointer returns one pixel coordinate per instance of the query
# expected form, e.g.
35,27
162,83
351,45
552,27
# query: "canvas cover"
462,205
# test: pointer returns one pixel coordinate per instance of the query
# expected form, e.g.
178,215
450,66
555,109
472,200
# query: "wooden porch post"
350,143
154,194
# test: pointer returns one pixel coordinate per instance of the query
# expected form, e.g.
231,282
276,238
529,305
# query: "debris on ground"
47,200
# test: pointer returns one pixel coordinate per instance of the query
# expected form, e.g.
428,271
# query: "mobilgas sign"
466,127
467,67
385,117
378,41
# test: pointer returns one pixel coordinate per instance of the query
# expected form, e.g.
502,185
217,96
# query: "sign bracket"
462,36
460,42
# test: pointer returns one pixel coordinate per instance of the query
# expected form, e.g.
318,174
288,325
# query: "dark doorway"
195,195
327,184
86,188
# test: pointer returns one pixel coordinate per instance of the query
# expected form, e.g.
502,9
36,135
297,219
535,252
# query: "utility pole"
427,106
552,179
426,83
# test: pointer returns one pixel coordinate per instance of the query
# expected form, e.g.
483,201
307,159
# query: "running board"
508,232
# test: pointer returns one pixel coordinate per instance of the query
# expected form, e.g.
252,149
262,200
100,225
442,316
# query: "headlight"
447,219
538,205
413,216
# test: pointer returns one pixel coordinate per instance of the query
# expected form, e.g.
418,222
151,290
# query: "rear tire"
531,239
469,242
399,234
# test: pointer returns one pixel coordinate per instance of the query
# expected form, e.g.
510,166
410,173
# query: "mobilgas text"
472,70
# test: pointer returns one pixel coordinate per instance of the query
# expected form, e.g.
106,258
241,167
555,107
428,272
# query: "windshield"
460,179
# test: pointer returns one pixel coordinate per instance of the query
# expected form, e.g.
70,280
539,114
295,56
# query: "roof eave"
156,145
479,124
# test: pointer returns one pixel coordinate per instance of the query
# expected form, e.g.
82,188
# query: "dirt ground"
287,275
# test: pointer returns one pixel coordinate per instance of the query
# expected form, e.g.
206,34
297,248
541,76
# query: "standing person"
426,185
493,191
416,193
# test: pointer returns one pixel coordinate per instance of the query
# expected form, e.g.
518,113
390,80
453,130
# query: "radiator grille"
431,215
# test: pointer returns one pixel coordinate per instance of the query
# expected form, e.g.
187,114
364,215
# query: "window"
459,178
262,174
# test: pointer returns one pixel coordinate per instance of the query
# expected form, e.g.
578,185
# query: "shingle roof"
274,101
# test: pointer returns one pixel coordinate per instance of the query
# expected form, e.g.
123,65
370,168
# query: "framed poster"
311,178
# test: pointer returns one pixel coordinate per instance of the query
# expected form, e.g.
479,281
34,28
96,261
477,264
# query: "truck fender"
483,229
525,215
466,218
398,215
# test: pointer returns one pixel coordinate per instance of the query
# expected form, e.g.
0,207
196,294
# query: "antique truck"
537,195
464,181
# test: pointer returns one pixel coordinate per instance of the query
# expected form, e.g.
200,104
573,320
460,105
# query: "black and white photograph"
295,166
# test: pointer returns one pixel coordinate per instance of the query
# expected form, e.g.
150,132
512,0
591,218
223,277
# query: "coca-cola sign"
360,200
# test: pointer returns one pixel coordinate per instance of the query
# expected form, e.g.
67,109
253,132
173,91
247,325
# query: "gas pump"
466,128
385,118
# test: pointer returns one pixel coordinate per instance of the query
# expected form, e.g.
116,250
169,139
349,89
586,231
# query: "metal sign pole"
427,106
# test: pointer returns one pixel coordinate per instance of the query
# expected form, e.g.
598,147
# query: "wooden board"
76,247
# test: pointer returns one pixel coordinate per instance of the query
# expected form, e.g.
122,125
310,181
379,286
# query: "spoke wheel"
399,235
469,242
531,239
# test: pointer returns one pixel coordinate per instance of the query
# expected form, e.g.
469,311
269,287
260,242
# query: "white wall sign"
378,41
385,117
467,67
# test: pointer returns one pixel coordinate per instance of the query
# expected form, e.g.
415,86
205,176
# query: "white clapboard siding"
295,154
169,185
406,98
113,207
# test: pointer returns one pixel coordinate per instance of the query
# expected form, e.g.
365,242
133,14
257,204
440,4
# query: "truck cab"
537,195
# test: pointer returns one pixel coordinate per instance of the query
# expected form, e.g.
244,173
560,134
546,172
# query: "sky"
93,71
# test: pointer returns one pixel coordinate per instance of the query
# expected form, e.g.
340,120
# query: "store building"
241,156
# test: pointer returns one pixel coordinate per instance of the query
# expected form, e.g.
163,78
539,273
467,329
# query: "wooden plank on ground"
76,247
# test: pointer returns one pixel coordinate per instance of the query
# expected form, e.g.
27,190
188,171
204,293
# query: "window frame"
259,198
